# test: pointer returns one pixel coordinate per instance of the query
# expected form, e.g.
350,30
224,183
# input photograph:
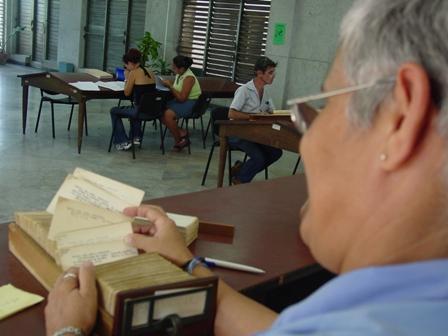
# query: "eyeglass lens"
304,115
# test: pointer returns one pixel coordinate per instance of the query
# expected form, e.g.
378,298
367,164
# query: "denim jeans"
260,157
116,114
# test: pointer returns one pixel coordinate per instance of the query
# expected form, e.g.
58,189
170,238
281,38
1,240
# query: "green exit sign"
279,33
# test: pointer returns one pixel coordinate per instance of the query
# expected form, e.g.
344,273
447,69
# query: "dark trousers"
260,157
116,114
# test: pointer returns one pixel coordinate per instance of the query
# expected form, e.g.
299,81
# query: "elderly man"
376,164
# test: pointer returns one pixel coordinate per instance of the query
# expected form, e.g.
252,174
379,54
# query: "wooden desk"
60,82
279,134
265,215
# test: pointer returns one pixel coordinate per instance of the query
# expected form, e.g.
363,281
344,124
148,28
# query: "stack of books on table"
100,74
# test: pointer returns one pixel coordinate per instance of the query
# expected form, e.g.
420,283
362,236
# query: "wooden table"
59,82
279,134
265,215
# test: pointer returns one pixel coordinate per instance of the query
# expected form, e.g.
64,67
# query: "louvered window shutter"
252,38
194,27
2,21
224,37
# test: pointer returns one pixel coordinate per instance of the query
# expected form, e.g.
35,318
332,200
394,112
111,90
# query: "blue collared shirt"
407,299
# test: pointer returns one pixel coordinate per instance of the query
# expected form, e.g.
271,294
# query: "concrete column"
72,20
163,19
282,11
311,40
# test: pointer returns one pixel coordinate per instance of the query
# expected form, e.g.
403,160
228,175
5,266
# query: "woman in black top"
138,81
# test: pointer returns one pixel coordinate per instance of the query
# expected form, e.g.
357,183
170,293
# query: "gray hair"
377,36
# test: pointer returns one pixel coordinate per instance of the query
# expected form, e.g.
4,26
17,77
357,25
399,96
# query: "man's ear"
411,114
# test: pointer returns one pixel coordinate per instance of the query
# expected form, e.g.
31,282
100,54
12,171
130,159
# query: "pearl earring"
383,157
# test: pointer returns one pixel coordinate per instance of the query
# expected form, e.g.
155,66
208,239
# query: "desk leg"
222,159
25,89
81,116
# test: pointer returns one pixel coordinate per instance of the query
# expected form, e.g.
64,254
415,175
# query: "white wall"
311,42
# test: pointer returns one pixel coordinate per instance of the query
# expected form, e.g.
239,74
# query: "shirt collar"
251,86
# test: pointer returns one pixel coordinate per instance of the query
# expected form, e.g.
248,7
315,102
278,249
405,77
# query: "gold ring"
70,275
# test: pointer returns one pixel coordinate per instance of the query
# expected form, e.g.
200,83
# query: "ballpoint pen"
231,265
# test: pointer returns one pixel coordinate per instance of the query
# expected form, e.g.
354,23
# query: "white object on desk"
113,85
159,84
86,86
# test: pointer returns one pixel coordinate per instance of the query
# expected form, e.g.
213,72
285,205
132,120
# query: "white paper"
97,254
86,86
113,85
159,84
184,305
73,215
83,190
123,191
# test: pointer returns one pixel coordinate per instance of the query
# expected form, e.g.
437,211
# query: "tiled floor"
32,166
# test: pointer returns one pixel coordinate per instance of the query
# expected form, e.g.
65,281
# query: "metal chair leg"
204,177
52,119
297,165
208,128
188,136
70,118
131,136
38,116
202,133
162,137
142,133
112,135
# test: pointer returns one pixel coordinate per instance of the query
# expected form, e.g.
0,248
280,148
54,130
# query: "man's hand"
73,301
162,237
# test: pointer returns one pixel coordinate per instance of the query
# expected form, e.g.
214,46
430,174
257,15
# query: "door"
25,19
52,30
112,27
40,38
94,34
40,31
116,34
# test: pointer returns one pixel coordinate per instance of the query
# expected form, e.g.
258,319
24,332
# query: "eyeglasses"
302,114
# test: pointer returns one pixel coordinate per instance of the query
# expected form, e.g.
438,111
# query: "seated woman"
138,81
186,90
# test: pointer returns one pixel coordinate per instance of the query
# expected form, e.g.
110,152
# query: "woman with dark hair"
138,80
186,90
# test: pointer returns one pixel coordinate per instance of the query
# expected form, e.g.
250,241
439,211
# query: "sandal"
185,136
184,142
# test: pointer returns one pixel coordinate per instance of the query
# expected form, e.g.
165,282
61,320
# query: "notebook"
159,84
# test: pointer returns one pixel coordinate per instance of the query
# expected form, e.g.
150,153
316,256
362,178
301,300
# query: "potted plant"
3,54
149,47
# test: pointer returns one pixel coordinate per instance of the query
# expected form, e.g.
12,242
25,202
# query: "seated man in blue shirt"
376,161
252,98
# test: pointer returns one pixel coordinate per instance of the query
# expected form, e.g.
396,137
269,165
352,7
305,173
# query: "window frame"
199,36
